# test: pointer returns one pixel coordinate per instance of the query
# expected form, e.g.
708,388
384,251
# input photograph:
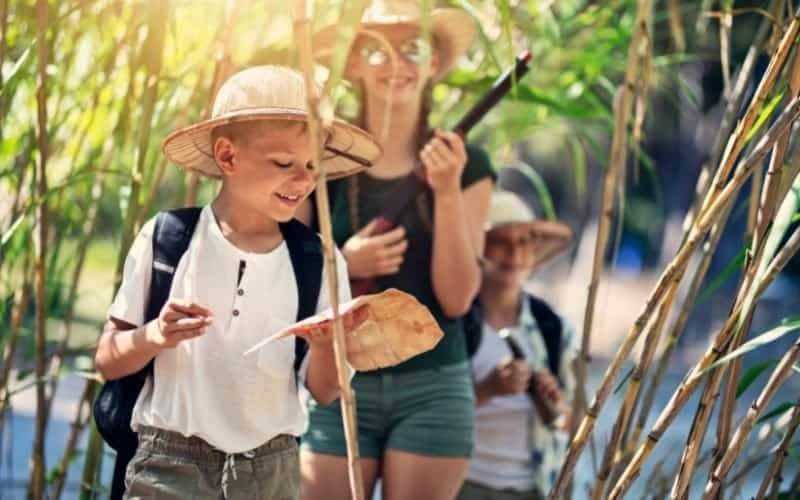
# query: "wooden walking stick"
302,33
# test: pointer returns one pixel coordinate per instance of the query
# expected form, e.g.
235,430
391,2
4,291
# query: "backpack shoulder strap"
305,252
171,236
550,327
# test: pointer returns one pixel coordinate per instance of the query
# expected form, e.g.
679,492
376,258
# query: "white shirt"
205,387
514,449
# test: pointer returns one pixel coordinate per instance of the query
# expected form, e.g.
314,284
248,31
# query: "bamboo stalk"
689,384
725,24
623,103
302,34
782,371
37,479
77,426
669,278
613,452
676,25
765,86
773,473
87,230
152,54
22,297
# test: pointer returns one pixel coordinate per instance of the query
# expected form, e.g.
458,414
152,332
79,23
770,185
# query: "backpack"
172,234
549,326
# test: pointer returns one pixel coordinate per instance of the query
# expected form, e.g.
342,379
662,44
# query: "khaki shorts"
169,466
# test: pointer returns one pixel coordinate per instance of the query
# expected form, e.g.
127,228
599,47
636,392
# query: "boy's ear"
223,155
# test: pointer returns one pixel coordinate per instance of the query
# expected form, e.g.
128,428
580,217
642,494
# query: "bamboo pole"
38,468
689,384
676,25
773,473
669,278
77,426
764,89
623,104
782,371
22,297
613,448
302,34
762,219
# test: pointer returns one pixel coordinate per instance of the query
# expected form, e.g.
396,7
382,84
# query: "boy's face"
510,253
268,168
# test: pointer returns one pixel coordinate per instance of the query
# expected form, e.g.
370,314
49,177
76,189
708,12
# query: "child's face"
510,252
269,168
404,81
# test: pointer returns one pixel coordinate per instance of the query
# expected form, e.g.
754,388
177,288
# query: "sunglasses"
414,50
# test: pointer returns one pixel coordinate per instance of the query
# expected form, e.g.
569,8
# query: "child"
522,355
211,422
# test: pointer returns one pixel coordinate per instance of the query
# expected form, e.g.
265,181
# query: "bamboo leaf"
752,374
545,200
778,411
16,72
765,114
733,267
787,326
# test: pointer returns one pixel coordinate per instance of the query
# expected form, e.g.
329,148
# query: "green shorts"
427,412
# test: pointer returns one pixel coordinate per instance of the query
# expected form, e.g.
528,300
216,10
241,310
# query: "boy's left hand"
322,334
444,157
546,384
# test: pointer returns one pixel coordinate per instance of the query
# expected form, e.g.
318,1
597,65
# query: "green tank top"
415,272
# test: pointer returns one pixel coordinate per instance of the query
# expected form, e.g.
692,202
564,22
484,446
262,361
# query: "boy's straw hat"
268,93
507,209
453,30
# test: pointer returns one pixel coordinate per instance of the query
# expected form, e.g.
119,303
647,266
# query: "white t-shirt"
205,387
514,449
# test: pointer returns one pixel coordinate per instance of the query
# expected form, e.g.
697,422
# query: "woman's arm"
458,223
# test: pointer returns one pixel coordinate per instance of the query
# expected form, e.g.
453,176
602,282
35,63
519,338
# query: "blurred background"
117,76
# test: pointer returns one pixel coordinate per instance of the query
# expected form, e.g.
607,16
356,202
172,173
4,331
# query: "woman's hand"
378,255
444,158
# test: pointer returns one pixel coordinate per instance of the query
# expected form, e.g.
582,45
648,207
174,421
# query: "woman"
522,352
415,420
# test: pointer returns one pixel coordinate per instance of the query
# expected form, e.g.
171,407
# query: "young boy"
211,422
521,360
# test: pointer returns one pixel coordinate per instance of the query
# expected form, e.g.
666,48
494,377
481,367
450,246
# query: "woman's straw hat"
452,29
268,93
508,209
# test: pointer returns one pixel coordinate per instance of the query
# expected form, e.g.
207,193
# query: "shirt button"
235,312
240,292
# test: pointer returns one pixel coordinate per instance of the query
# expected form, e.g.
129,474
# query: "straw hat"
508,209
392,327
453,30
268,93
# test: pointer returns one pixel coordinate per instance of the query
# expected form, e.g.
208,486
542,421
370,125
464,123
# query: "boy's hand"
511,377
179,320
322,334
378,255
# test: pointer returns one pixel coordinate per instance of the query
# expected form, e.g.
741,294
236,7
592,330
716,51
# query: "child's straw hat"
507,209
268,93
452,29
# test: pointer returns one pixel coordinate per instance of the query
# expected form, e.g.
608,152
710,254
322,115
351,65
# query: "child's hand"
179,320
547,385
322,334
511,377
444,158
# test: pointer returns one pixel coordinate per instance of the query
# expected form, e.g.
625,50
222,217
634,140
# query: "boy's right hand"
377,255
511,377
179,320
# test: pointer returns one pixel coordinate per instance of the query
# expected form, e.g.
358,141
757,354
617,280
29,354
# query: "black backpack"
172,233
548,321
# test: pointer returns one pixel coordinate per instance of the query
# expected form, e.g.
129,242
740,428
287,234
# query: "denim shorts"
426,412
168,465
